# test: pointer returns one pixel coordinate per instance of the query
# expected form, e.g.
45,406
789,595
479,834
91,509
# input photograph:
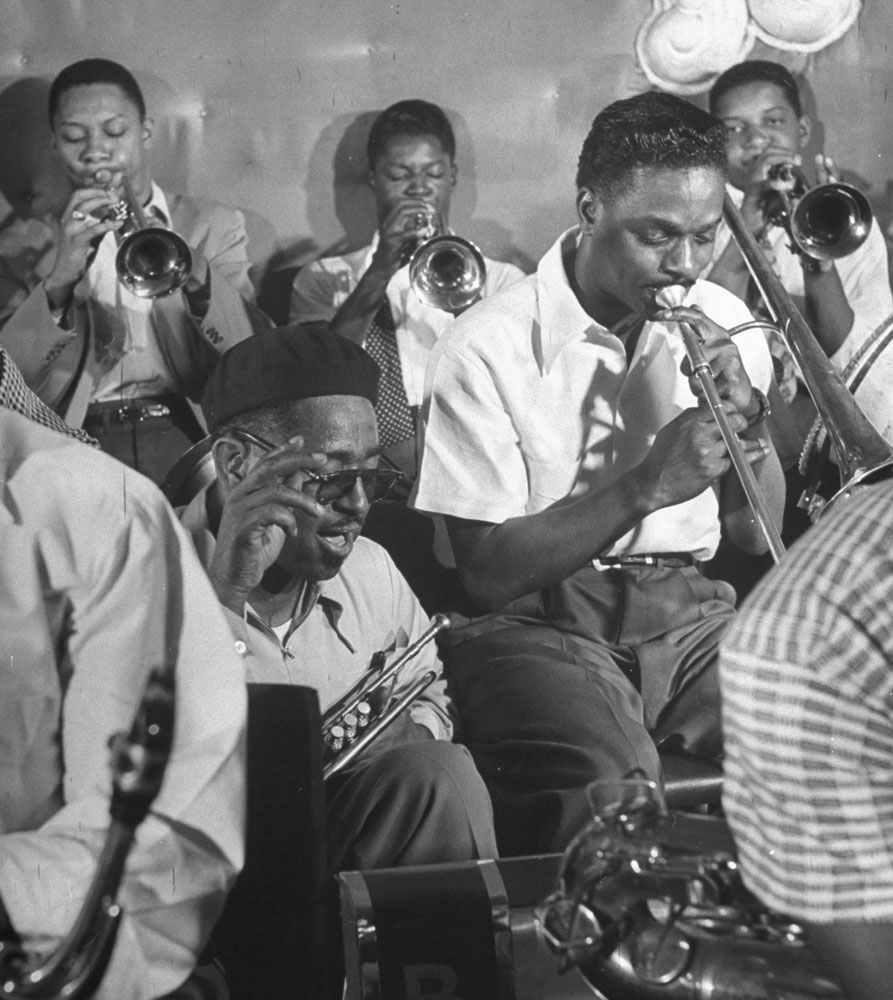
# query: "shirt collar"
562,320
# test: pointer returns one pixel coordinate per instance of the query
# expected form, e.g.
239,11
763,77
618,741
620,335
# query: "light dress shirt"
98,584
806,674
322,286
339,625
532,401
864,275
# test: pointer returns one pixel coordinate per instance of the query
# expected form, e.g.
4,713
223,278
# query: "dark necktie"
395,420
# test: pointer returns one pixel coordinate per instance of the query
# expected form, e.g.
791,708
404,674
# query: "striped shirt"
807,683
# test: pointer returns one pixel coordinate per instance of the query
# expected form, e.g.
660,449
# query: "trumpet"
152,261
445,271
825,222
139,759
349,726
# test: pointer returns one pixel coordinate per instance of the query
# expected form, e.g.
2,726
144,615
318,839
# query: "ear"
229,462
587,208
454,173
148,127
805,128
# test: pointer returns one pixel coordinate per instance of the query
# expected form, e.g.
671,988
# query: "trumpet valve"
350,728
364,715
335,740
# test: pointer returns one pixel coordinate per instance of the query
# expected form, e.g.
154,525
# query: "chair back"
271,936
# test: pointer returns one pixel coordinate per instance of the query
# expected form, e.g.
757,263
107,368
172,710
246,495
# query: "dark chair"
192,471
272,936
691,783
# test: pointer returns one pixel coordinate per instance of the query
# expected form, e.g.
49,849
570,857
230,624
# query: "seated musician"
582,480
311,602
124,367
844,300
99,585
806,674
366,294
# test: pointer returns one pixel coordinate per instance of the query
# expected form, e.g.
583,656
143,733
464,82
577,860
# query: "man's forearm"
500,562
356,313
827,308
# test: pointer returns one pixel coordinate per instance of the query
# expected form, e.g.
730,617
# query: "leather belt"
133,411
667,560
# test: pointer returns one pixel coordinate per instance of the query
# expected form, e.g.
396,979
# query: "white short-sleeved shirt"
532,401
322,286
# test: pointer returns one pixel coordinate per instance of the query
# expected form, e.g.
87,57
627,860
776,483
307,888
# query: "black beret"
287,364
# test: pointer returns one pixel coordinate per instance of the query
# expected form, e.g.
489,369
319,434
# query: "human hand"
689,455
408,224
84,222
259,513
729,374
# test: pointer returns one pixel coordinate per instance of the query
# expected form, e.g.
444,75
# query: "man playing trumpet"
366,295
311,602
123,367
844,300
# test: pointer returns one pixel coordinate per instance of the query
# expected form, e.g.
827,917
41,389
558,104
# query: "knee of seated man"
431,766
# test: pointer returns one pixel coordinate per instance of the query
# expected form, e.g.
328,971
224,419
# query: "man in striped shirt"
807,683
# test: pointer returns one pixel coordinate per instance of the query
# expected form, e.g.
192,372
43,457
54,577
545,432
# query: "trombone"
152,261
862,453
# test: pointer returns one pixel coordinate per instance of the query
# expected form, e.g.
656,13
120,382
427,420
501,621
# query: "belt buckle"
141,413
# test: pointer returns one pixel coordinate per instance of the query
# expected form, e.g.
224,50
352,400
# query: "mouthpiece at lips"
671,296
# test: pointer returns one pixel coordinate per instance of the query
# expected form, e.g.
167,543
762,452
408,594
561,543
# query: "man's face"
97,131
658,231
343,428
413,168
763,128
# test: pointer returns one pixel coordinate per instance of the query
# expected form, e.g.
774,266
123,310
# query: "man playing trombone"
582,480
312,602
123,366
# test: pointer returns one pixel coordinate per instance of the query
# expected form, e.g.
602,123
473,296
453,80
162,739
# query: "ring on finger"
78,216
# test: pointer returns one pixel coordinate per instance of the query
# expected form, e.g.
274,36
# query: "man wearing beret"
310,602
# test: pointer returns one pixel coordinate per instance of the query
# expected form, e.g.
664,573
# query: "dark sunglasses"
329,487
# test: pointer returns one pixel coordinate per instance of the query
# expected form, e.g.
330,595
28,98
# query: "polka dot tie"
395,421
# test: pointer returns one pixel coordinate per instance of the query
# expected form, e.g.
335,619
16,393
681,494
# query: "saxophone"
651,906
138,760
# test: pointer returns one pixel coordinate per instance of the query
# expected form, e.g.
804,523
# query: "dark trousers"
583,681
148,443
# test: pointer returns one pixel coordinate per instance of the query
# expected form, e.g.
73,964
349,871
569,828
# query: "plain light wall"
265,104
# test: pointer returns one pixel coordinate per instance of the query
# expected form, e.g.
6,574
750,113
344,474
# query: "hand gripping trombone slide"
352,712
701,368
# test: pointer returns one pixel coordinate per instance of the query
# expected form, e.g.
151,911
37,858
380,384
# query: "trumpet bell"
830,221
153,262
448,272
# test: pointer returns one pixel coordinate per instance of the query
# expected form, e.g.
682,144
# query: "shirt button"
241,648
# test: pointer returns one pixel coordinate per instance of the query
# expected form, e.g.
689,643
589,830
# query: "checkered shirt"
807,685
15,395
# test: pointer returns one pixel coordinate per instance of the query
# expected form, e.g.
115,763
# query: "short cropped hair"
651,130
89,71
413,117
756,71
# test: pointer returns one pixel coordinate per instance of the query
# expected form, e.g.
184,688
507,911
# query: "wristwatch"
763,408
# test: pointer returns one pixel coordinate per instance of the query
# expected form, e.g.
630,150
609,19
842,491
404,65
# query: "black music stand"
271,937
